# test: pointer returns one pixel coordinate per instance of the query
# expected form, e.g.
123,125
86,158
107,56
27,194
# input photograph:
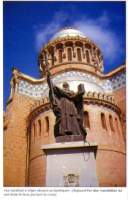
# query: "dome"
68,32
71,46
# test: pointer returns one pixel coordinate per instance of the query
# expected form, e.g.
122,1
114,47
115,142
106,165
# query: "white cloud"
101,33
98,30
45,32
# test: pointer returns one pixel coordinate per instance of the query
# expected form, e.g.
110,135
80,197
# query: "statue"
68,109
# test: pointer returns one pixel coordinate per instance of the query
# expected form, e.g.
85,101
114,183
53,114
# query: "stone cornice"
98,74
69,38
104,103
68,145
81,144
96,71
22,76
32,80
119,69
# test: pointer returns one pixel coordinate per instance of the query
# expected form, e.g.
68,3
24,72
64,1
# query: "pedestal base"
71,164
70,138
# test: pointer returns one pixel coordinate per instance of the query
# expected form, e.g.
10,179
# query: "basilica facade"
29,120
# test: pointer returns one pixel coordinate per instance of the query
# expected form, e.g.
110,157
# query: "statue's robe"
68,109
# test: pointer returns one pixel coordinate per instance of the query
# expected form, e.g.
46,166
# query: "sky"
27,26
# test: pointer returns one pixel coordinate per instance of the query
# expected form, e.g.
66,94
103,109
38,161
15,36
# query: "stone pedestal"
71,164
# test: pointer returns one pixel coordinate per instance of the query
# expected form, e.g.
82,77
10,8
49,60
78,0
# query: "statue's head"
65,85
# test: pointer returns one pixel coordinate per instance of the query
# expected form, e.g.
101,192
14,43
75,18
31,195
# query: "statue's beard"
68,91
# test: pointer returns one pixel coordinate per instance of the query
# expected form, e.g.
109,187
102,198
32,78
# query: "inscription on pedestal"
71,180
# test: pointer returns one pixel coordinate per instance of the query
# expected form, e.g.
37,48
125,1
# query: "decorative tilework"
118,81
73,77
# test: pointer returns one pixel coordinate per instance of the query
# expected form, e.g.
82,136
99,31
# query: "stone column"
55,57
74,51
83,51
95,59
50,59
64,52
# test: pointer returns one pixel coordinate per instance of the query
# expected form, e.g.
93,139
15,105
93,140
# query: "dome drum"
70,49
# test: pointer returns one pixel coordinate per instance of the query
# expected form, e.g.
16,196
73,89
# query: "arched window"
60,56
99,56
46,124
52,55
103,121
111,123
86,120
39,125
117,125
87,56
34,131
79,54
69,54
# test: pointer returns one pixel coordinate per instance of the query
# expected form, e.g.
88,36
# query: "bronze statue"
67,107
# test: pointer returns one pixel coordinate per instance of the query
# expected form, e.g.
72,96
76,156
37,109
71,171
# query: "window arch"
111,123
87,56
46,124
39,125
69,54
79,54
103,121
86,120
60,56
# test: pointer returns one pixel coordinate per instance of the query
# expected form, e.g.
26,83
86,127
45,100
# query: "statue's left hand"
81,88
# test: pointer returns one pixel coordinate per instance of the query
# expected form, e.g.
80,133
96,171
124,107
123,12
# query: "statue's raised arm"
49,81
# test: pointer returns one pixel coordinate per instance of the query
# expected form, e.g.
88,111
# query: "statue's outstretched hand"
81,88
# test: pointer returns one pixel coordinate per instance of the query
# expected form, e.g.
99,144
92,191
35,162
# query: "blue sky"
29,25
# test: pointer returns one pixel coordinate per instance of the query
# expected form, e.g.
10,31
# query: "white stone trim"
66,145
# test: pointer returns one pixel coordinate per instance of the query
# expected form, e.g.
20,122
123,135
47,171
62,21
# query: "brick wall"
111,146
37,160
111,168
120,96
111,157
15,141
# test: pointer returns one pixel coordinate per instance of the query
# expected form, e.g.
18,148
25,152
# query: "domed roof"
68,32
